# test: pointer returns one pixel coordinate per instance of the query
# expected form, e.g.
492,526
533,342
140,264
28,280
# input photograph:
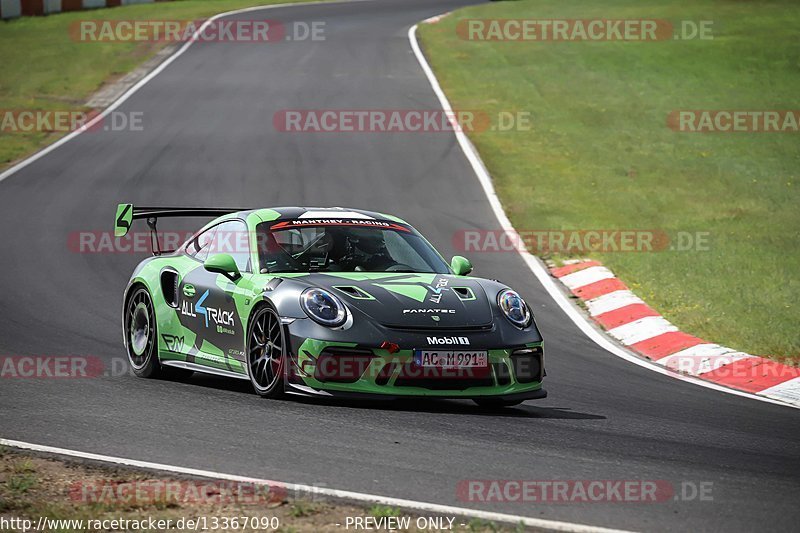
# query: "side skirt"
204,369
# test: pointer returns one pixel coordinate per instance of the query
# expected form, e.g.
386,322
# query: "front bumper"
350,369
536,394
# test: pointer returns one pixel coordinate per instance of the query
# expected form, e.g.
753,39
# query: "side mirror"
223,264
460,265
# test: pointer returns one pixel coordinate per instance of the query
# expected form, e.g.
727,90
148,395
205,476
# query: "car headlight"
323,307
514,307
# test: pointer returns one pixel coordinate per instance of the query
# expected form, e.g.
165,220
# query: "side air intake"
169,287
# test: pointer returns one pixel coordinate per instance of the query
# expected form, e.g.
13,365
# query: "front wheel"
266,353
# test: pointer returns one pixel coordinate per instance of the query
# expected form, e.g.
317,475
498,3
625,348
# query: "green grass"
476,524
379,511
24,467
45,69
20,484
300,509
21,479
600,155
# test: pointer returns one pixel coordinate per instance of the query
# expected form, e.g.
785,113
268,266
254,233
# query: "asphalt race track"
208,139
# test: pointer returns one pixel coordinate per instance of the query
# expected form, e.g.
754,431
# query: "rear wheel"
140,333
266,353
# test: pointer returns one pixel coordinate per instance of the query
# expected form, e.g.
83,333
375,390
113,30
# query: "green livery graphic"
328,302
123,220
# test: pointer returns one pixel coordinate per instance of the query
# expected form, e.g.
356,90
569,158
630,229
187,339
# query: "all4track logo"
436,292
221,317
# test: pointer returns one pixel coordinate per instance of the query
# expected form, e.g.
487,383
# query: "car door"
213,314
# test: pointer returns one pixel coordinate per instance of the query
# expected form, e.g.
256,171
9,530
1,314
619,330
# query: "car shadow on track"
454,407
432,405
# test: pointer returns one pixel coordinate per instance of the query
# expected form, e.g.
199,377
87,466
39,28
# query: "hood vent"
356,293
464,294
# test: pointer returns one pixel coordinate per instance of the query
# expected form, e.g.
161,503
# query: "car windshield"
344,246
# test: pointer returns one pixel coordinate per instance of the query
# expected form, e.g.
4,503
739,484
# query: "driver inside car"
331,249
369,252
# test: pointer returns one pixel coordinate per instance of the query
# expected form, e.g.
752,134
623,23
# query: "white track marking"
788,391
47,149
641,330
534,265
701,358
538,269
422,507
586,276
480,171
311,490
611,302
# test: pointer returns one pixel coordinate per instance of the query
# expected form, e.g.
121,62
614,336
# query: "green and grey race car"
329,302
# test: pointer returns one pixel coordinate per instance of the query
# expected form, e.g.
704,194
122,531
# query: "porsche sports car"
328,302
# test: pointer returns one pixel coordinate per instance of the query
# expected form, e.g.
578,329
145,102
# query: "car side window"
232,238
199,246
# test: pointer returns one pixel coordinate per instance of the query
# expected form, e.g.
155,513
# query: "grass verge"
79,495
45,69
600,155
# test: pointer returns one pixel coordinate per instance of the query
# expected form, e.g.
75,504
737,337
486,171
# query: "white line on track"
310,490
422,507
480,171
179,52
536,266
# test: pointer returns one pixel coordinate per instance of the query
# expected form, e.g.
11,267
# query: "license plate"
451,359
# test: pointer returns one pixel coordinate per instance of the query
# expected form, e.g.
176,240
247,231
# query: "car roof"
292,213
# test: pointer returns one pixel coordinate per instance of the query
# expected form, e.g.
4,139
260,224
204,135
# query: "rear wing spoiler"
127,213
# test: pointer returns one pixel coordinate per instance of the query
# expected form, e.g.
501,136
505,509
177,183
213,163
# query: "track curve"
209,140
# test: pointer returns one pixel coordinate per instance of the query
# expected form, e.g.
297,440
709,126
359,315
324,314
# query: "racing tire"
496,403
266,352
141,334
